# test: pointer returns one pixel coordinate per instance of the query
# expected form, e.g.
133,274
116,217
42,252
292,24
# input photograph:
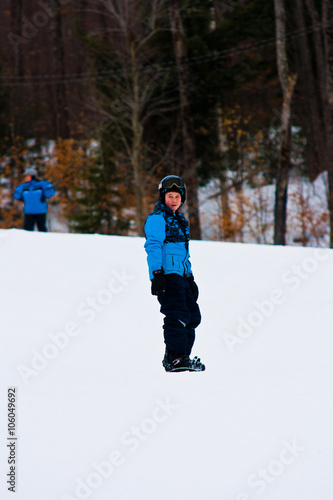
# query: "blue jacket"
34,194
167,240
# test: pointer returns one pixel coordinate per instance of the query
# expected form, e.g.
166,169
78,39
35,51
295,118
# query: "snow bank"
96,416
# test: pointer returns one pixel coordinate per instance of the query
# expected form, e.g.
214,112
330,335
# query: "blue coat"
34,194
167,240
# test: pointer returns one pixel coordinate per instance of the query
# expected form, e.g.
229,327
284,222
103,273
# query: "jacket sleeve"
155,234
18,193
48,189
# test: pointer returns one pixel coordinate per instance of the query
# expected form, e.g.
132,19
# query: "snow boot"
177,365
175,361
178,362
196,365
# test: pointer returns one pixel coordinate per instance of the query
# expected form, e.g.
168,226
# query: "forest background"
106,97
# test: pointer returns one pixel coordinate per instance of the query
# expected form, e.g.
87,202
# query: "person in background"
34,193
170,272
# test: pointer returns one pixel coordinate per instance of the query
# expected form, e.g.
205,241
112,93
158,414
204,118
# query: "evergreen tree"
100,195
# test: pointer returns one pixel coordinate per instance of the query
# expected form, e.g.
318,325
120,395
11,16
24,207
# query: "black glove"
194,287
158,283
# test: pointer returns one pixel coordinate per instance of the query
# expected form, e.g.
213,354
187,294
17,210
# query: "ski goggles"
169,182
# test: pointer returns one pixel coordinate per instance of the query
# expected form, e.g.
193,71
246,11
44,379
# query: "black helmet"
172,183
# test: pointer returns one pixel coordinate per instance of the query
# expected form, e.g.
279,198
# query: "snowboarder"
34,193
170,272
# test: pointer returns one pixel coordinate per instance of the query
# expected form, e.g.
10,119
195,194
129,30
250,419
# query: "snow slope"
96,415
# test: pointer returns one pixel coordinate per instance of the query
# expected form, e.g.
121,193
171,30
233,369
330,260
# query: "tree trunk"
190,160
281,192
288,84
17,14
226,222
16,95
61,114
137,145
328,38
312,93
318,48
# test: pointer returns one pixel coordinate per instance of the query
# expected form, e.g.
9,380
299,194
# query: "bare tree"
317,82
227,234
59,90
328,38
134,90
317,38
190,159
287,81
311,84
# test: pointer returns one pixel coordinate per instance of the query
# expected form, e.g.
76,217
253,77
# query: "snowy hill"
97,417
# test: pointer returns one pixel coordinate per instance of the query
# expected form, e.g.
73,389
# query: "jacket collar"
167,210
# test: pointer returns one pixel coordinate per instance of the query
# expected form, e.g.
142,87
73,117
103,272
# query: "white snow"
98,418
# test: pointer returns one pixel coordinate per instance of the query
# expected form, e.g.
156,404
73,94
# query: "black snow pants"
182,314
31,219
